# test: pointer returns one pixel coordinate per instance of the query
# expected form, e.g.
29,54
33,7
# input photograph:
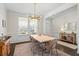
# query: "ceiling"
28,8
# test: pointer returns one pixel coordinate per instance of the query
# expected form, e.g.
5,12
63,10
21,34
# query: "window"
27,26
23,25
33,25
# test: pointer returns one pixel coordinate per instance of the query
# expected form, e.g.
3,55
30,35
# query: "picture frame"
70,27
3,23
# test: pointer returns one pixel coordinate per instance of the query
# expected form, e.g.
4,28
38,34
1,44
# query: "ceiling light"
34,14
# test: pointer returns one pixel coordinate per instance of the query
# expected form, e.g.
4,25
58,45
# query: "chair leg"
56,52
32,51
42,53
50,52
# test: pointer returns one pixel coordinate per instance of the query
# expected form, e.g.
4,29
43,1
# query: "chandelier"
34,14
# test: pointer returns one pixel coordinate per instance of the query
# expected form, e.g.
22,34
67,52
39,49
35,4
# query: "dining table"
41,38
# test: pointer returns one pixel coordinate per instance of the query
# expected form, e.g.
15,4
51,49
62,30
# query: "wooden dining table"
43,39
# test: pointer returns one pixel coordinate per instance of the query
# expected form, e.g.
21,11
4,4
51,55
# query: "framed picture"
71,27
3,23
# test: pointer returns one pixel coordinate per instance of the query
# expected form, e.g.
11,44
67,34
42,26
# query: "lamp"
62,28
35,16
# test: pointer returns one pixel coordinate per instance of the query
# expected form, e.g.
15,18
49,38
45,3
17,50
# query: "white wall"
65,17
47,29
78,28
2,17
12,23
61,18
40,26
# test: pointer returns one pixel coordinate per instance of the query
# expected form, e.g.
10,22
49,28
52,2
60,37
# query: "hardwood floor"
24,49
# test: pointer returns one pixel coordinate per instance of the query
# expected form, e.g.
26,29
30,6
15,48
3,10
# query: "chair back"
53,43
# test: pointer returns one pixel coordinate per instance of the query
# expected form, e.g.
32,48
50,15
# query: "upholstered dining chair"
50,47
35,48
53,47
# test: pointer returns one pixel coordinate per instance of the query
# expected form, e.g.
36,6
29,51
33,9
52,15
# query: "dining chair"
49,47
53,47
36,50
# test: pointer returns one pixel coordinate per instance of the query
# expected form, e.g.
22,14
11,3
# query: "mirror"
70,27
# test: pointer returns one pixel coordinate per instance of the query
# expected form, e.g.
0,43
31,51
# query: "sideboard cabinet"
68,37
